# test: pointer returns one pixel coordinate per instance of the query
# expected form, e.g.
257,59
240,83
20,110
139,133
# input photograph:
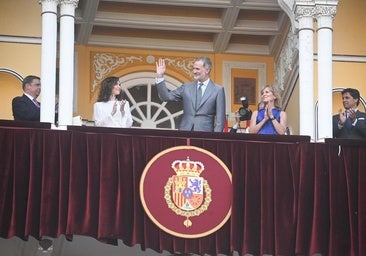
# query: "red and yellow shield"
187,191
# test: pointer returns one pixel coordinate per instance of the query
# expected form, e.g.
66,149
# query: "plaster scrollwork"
185,65
106,63
286,59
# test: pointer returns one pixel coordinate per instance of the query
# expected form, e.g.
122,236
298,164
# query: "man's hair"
29,80
206,62
354,93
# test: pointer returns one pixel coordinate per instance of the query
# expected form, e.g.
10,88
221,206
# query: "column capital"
48,1
49,6
325,10
304,11
67,8
69,2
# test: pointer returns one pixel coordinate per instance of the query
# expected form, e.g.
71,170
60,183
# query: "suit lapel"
208,92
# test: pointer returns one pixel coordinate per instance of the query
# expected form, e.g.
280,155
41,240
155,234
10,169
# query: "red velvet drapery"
290,196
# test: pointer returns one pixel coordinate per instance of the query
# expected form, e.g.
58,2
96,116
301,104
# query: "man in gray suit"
203,100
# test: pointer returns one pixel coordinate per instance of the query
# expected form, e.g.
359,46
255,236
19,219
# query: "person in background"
203,100
236,127
26,107
111,109
269,118
351,123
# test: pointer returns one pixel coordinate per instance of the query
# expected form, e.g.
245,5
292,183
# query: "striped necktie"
36,102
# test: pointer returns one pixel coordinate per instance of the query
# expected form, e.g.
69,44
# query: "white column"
48,59
304,15
325,15
66,81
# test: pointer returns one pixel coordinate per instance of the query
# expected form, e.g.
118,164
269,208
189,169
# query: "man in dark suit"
351,123
26,107
203,100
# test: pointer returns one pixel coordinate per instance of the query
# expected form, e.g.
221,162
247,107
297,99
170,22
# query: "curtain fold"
289,198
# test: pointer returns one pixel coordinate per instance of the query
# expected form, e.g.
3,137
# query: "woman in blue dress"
269,118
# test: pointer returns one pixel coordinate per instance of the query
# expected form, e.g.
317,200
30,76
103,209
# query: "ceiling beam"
229,18
85,20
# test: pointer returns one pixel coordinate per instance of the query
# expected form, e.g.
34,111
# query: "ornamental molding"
325,10
48,1
286,60
105,64
304,11
69,2
184,65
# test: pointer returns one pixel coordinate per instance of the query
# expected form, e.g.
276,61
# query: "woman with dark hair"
111,109
269,118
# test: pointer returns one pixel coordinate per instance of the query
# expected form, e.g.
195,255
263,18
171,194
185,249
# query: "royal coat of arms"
186,193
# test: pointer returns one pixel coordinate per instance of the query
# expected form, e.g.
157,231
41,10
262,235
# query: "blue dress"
268,127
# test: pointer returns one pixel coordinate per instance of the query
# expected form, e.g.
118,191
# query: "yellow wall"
20,18
12,86
24,59
348,75
86,98
349,38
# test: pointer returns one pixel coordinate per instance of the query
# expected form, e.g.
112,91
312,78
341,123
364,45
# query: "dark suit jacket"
24,109
210,115
355,132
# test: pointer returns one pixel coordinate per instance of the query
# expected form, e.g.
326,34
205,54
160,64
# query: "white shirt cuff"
159,79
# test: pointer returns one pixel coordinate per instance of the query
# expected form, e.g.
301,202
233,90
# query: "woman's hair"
106,88
277,101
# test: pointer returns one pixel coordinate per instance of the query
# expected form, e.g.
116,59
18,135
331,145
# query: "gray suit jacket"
209,116
355,132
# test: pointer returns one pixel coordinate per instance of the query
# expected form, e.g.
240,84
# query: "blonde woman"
269,118
111,110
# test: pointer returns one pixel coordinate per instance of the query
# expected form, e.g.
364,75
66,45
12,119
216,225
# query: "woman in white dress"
111,109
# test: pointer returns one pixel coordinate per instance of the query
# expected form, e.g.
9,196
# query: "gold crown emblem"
188,167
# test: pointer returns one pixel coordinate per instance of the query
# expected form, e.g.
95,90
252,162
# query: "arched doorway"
148,111
11,86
